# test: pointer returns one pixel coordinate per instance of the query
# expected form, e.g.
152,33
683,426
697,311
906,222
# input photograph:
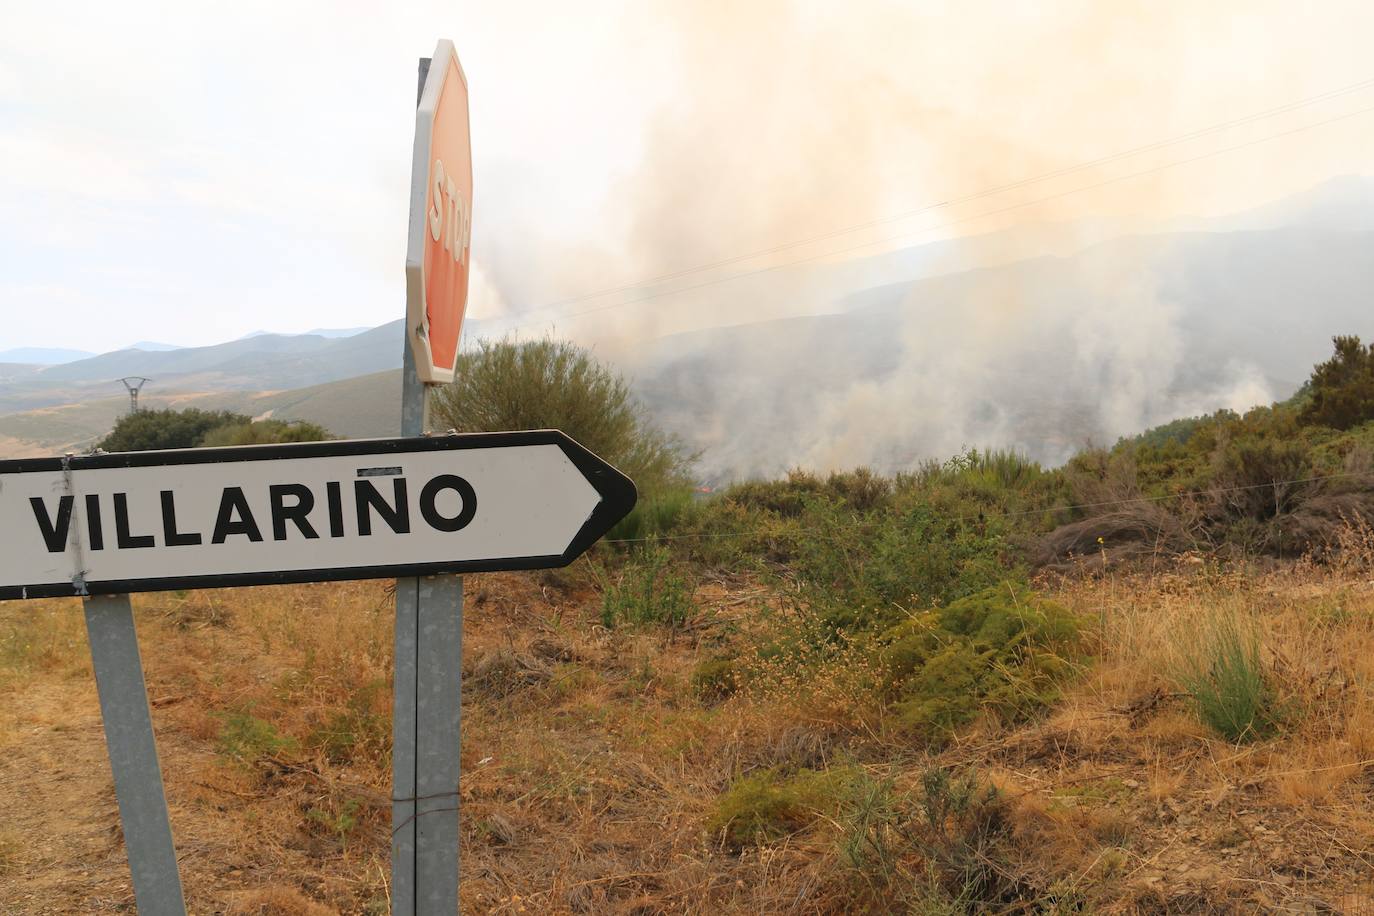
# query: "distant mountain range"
316,332
1003,340
259,363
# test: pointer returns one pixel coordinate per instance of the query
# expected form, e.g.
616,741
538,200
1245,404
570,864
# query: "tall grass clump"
246,738
1218,665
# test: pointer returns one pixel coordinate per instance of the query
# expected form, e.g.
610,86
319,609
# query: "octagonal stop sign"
438,259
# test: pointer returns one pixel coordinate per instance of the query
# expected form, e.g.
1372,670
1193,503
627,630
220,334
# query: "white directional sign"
144,521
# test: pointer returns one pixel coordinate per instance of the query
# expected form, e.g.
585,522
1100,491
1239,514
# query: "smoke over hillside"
1045,319
1045,355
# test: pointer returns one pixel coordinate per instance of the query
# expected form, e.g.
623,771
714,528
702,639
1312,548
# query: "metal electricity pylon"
134,383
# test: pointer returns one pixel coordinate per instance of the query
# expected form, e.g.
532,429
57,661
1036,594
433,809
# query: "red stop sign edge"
417,320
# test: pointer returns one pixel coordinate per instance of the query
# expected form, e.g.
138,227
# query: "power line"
994,212
1134,500
977,195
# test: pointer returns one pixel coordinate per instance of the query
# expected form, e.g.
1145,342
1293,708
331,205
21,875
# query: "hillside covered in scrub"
1137,682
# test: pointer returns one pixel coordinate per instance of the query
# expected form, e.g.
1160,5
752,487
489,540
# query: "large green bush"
158,429
194,428
259,432
552,384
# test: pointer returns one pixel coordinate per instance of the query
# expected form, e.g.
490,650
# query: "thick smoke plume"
1046,320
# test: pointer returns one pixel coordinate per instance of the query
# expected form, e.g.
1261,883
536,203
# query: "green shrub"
770,805
861,490
258,432
550,384
720,533
246,738
861,572
158,429
1226,478
359,731
992,470
867,825
943,847
1003,650
1175,432
652,590
785,497
994,481
963,821
1261,478
1341,390
1219,666
338,818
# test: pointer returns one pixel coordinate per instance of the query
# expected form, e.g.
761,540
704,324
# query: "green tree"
156,429
552,384
1342,388
259,432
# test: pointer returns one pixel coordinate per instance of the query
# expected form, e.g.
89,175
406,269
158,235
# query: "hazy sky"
192,172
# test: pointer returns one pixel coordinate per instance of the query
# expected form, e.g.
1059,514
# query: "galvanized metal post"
133,756
438,701
427,712
403,750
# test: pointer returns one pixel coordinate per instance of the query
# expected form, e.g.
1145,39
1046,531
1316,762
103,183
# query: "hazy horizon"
260,169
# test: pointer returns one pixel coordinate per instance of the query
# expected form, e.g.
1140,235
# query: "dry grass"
591,767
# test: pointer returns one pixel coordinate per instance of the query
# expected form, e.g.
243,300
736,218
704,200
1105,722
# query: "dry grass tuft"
277,901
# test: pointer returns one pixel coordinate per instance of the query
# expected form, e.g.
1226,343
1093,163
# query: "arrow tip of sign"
618,493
